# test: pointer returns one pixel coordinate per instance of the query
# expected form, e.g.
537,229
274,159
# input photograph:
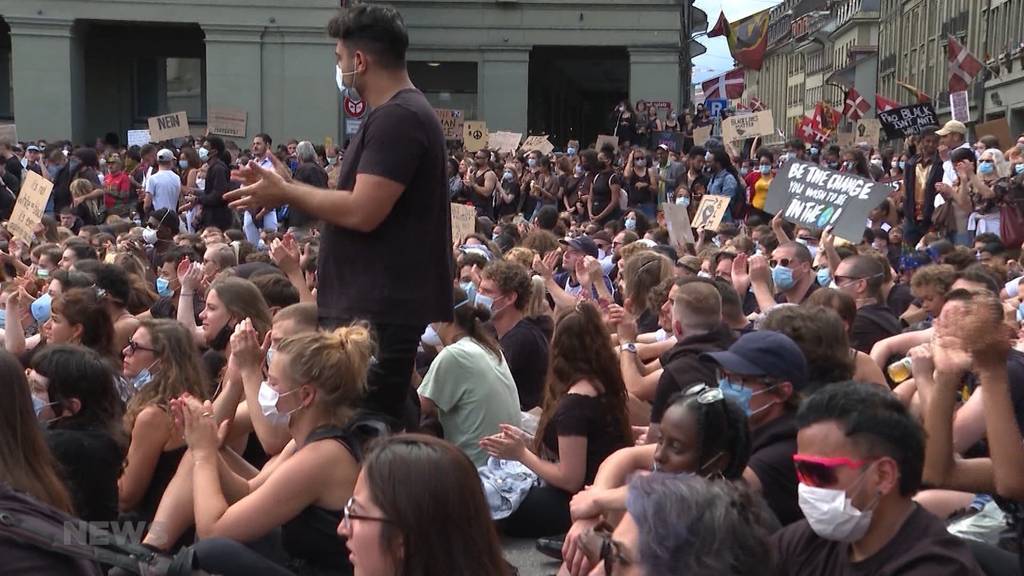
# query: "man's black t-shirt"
399,273
526,350
771,458
873,322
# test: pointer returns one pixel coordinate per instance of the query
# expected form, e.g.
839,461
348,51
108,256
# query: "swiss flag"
825,117
809,131
728,86
963,66
884,105
854,105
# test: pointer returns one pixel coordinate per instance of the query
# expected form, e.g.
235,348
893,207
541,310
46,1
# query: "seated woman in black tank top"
288,512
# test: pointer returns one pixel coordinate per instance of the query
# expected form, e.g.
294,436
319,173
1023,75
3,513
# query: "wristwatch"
628,347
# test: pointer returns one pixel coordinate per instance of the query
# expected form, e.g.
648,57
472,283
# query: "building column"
312,113
503,84
234,71
48,77
654,75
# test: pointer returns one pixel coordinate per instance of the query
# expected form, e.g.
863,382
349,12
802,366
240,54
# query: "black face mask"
223,337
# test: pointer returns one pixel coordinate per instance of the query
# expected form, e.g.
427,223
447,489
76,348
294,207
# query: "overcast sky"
717,59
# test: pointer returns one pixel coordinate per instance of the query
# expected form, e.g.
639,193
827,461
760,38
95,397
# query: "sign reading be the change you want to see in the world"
815,197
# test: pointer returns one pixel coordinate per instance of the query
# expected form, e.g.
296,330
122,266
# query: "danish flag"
854,105
728,86
756,105
884,105
963,66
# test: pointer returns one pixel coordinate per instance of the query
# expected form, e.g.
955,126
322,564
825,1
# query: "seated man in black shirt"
764,373
506,288
862,277
860,461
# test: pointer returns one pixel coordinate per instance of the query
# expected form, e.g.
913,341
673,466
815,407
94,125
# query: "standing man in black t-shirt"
385,252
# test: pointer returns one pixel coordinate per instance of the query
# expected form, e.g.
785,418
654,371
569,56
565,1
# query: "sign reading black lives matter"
816,197
908,120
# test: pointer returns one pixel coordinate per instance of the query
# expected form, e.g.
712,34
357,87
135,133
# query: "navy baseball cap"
764,353
582,243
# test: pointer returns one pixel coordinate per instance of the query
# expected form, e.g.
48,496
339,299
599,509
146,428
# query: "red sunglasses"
820,472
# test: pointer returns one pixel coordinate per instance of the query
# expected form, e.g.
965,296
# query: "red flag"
963,66
728,86
854,105
756,105
808,131
824,117
721,27
884,105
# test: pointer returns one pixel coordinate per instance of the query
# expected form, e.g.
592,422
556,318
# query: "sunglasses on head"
820,472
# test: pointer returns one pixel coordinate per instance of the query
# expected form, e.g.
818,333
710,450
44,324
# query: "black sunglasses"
784,262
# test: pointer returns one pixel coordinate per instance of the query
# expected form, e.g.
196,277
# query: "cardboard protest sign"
138,138
673,140
463,221
169,126
908,120
28,210
504,141
605,139
539,143
742,127
226,122
869,130
816,197
959,106
678,222
451,122
998,128
710,212
701,135
845,139
8,133
474,135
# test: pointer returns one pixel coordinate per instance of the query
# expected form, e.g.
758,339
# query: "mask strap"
460,304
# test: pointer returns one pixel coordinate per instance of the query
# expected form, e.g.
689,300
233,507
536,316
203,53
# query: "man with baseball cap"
764,372
953,135
33,159
575,251
164,187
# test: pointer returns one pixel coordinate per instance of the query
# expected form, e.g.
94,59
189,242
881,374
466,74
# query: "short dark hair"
377,30
979,274
82,251
697,151
875,421
267,140
276,289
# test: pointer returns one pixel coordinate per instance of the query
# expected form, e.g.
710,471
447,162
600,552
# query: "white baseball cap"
165,155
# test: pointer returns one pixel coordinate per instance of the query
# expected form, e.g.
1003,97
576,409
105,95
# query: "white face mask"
149,235
832,515
268,398
430,337
339,79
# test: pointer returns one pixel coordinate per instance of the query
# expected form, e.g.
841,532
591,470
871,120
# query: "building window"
164,85
447,84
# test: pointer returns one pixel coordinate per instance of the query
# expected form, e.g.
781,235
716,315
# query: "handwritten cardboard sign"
227,122
474,135
816,197
138,138
908,120
748,126
998,128
539,143
845,139
701,135
869,130
710,212
678,222
8,133
451,122
28,210
504,141
169,126
463,221
606,140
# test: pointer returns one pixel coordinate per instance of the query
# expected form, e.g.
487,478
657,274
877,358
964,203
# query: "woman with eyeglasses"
584,419
283,519
161,362
702,433
440,528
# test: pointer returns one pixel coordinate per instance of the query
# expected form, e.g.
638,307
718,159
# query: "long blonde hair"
243,299
335,363
178,369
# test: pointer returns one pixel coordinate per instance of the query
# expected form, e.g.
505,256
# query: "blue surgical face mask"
903,165
824,276
683,201
570,151
270,355
485,301
183,164
38,404
744,171
630,224
41,308
163,287
1018,169
783,278
741,395
3,317
814,151
766,169
531,162
986,167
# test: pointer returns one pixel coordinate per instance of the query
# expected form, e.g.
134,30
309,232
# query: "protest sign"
701,135
504,141
474,135
538,143
672,140
463,221
998,128
869,130
678,222
742,127
8,133
28,210
138,138
226,122
604,139
710,212
845,139
908,120
959,106
168,126
816,197
451,122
